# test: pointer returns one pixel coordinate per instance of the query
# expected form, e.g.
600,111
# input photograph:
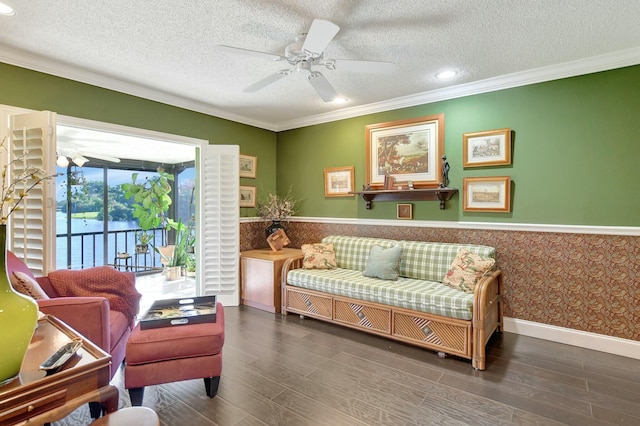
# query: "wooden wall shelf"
427,194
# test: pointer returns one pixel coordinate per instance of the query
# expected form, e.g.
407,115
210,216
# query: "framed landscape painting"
487,194
489,148
338,181
407,150
248,166
247,196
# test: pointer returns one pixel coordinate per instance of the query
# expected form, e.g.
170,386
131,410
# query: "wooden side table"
37,398
260,274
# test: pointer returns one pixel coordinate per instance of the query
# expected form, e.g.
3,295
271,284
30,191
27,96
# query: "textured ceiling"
164,50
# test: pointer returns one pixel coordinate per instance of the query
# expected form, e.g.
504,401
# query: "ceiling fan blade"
323,87
101,157
319,36
248,52
266,81
373,67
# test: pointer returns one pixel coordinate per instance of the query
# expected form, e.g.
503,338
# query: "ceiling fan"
306,52
77,151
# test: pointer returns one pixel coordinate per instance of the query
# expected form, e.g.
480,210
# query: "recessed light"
444,75
339,100
6,10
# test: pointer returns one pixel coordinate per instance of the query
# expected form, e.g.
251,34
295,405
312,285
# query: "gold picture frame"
487,148
487,194
248,166
247,196
407,150
404,211
339,181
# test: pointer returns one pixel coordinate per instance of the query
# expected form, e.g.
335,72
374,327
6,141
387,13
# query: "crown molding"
26,60
609,61
589,65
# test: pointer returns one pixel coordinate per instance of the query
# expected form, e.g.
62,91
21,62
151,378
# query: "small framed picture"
487,194
338,181
248,166
404,211
247,196
489,148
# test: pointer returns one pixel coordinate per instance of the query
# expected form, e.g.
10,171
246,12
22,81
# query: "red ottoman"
171,354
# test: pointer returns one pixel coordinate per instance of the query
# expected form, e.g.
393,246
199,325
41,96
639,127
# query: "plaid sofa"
422,267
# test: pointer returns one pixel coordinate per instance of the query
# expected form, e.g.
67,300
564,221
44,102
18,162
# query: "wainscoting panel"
586,282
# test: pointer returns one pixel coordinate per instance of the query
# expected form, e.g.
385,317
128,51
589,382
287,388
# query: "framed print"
247,196
338,181
490,148
248,166
487,194
404,211
407,150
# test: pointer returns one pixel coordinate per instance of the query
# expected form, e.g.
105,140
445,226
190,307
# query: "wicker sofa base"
463,338
466,338
449,335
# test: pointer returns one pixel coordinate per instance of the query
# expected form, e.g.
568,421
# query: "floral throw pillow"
466,269
318,256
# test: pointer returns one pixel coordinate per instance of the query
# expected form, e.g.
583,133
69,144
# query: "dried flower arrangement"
276,207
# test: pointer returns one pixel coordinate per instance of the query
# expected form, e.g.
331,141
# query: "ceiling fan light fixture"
446,74
6,10
62,161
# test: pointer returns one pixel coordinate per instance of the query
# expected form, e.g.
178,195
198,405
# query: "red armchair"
93,317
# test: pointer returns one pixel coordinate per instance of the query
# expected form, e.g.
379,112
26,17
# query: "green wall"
33,90
576,153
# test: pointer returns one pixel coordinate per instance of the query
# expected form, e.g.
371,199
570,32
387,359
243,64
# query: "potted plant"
143,239
190,266
276,208
151,200
175,256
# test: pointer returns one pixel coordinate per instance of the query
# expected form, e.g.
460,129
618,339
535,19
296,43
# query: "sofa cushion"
353,252
424,296
466,269
383,263
24,284
318,256
431,261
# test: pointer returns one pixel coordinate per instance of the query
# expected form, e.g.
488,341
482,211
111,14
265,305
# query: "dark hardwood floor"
291,371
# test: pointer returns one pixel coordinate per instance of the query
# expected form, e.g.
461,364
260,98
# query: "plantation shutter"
32,228
218,225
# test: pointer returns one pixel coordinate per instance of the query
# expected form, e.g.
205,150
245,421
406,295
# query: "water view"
88,246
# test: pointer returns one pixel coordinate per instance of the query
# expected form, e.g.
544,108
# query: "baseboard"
583,339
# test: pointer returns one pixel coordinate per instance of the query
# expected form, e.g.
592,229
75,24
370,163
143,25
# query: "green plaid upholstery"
423,265
353,252
418,295
421,260
431,261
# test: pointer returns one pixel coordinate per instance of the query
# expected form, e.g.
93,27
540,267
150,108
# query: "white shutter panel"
32,229
218,226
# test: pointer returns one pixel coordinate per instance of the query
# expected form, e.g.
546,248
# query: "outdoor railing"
80,250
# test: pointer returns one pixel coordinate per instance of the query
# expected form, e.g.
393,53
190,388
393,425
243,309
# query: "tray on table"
181,311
